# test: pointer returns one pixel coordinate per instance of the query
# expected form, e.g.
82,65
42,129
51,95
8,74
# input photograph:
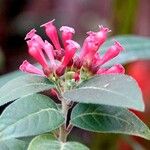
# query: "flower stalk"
63,133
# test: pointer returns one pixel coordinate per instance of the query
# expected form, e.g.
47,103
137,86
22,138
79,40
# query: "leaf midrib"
101,114
103,89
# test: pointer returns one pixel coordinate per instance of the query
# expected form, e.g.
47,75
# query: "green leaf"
44,142
136,47
28,116
13,144
116,90
108,119
23,86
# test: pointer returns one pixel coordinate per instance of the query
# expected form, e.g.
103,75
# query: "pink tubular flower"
76,76
36,52
67,33
112,52
102,35
93,42
118,68
48,48
32,36
29,68
65,60
51,32
70,51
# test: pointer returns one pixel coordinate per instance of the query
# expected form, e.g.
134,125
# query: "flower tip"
120,68
47,23
73,43
90,33
23,65
67,29
102,28
30,34
118,45
46,42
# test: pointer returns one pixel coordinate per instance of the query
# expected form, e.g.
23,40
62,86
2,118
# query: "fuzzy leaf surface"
13,144
108,119
29,116
23,86
46,143
113,89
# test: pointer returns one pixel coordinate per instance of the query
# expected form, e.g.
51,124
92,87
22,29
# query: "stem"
63,131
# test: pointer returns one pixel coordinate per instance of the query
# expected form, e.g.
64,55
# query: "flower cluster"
68,59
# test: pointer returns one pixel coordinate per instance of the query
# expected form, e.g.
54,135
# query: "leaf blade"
45,142
39,115
23,86
115,90
13,144
108,119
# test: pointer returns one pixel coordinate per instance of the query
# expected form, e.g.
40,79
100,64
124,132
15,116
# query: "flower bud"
70,51
29,68
67,33
51,32
32,36
36,52
48,48
112,52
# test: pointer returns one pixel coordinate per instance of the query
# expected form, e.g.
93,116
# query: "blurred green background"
17,17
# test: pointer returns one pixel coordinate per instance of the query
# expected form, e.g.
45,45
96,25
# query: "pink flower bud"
32,36
36,52
76,76
101,71
29,68
99,37
67,33
48,48
102,35
77,63
54,94
60,70
70,51
89,47
112,52
118,68
59,54
51,32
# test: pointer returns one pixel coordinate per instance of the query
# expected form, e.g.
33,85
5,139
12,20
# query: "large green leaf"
136,47
23,86
28,116
44,142
13,144
115,90
108,119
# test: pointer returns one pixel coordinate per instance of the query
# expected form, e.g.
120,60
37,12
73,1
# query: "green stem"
62,131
